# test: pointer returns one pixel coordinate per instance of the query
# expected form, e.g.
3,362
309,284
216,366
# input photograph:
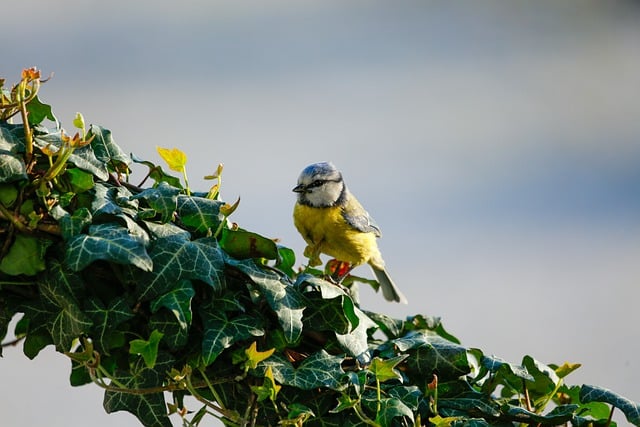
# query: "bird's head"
320,185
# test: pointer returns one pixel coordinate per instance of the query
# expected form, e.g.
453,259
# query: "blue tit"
333,222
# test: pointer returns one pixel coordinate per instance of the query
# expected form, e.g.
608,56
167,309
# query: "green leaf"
391,408
106,321
26,256
385,370
458,398
69,321
318,370
110,242
9,140
111,201
356,342
221,332
176,259
286,260
12,167
163,199
71,225
106,150
149,408
242,244
8,194
280,295
545,379
431,352
432,323
148,349
175,337
631,410
199,214
80,180
557,416
178,301
411,396
39,111
269,389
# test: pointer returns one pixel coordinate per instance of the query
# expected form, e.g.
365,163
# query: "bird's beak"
299,189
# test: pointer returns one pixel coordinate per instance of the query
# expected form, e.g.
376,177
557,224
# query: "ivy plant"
155,295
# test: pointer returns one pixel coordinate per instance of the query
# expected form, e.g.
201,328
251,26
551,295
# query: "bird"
333,222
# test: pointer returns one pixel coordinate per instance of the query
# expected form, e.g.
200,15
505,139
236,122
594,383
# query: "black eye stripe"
320,182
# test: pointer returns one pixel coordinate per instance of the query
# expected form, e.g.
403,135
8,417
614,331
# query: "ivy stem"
211,389
22,101
613,408
527,399
207,403
13,219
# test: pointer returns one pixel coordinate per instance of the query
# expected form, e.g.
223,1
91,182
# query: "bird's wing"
358,218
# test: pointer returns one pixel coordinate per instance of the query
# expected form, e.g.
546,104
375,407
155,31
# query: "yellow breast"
326,230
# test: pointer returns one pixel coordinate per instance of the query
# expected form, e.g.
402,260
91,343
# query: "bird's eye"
316,183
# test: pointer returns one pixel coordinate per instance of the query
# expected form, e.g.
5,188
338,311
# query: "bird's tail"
389,290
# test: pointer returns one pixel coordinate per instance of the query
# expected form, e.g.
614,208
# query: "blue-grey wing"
360,219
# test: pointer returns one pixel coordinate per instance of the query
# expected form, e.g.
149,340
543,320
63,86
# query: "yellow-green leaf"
269,389
254,356
176,159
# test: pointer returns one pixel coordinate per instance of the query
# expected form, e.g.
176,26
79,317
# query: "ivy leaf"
69,321
111,201
458,397
431,352
199,214
356,342
631,410
310,285
318,370
286,260
254,356
391,408
38,111
106,320
175,158
148,349
545,378
110,242
242,244
163,199
504,373
269,389
175,337
176,259
149,408
281,296
409,395
12,167
178,301
558,416
221,332
385,370
80,180
565,369
26,256
71,224
106,150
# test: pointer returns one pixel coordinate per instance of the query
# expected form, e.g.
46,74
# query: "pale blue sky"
497,144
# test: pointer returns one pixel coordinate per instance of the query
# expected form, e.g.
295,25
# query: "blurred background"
496,143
